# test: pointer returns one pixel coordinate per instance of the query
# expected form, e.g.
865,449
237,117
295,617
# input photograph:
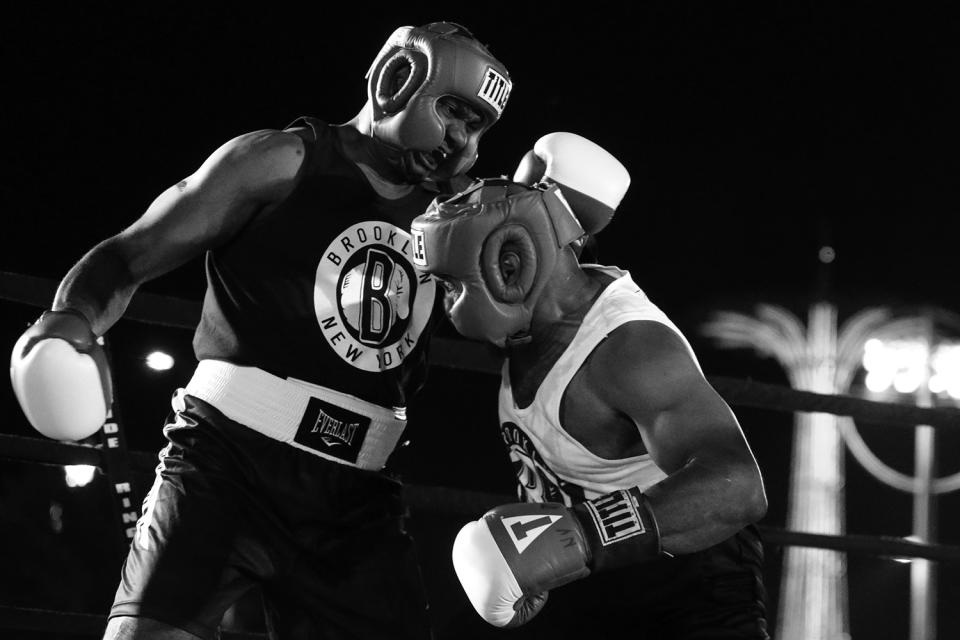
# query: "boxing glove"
590,178
510,559
60,376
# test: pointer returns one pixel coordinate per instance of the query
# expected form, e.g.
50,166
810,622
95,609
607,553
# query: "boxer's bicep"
653,380
212,204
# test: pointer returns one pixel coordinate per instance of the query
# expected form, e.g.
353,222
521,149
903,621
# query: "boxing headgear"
470,236
443,59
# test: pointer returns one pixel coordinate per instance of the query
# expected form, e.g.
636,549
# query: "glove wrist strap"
620,529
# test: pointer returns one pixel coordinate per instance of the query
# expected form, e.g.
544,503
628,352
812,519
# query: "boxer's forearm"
98,286
705,502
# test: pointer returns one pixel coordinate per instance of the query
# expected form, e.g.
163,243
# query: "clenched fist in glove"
60,376
509,559
590,178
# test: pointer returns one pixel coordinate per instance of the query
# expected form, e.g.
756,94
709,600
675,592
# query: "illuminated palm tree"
819,358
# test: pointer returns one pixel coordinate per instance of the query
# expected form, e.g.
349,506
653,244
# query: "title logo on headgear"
419,248
495,90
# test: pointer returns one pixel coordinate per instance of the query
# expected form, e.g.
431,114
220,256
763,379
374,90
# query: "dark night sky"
754,133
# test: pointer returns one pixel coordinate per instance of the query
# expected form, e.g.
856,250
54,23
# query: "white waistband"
321,421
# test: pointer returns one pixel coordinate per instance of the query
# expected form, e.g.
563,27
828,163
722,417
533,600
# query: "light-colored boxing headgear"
471,235
443,59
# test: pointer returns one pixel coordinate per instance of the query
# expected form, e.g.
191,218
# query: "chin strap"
519,339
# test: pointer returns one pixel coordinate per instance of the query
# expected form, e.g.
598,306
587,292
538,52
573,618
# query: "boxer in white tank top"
570,460
635,474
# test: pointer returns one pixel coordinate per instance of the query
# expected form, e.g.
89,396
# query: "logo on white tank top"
371,304
536,481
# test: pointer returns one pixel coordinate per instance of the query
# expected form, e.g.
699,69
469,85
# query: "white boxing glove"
60,376
509,560
591,179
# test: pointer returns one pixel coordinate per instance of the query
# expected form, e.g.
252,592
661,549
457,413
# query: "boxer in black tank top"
313,336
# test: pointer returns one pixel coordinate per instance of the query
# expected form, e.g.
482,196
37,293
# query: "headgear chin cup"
501,240
443,59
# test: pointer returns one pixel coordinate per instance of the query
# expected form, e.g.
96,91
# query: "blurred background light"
78,475
906,365
159,361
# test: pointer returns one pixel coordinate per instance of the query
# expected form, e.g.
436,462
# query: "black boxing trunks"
232,509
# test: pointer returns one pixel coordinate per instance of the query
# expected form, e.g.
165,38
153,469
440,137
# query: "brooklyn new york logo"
371,305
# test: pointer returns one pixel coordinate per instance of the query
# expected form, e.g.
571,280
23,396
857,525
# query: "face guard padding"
439,59
501,240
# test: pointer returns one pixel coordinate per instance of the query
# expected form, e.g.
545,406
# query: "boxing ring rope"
66,623
448,501
471,356
467,356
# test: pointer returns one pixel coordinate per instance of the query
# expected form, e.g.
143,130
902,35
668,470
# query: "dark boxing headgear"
472,235
440,59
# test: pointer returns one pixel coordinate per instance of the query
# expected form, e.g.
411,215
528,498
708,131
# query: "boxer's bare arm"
714,486
238,181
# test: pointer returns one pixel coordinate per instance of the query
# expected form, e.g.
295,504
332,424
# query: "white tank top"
551,465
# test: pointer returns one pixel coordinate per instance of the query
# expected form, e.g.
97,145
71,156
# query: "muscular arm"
714,486
235,183
641,374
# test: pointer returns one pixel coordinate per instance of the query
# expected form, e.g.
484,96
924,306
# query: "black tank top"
323,288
